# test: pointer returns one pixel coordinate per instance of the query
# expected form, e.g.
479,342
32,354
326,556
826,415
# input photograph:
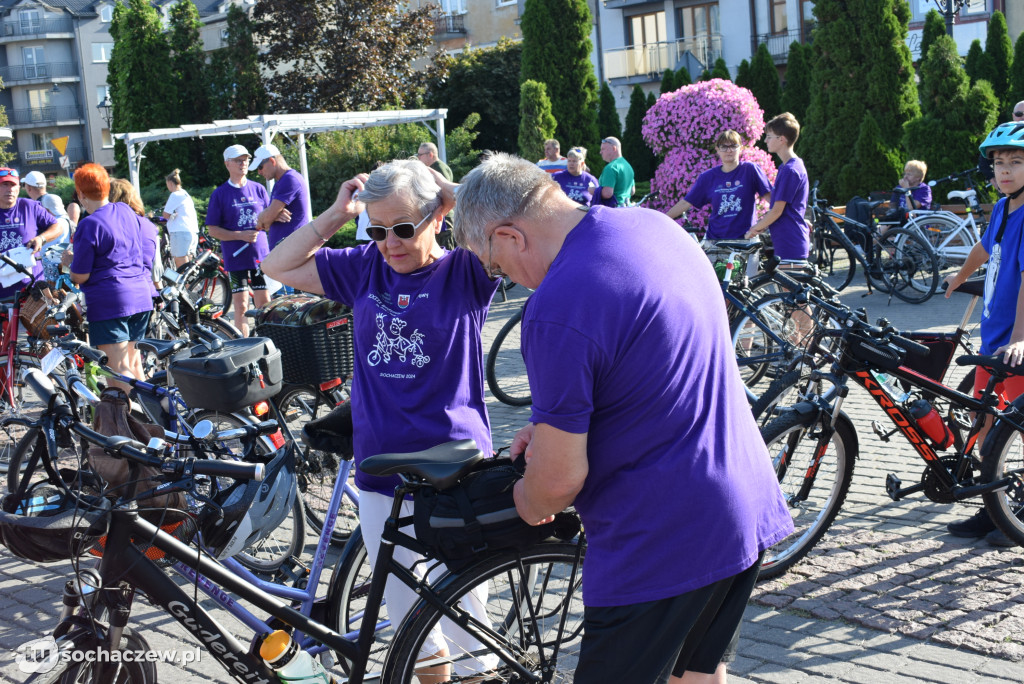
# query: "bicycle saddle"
331,433
961,194
975,287
745,246
442,466
162,348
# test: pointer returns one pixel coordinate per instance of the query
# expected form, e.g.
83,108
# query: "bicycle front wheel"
82,668
531,607
951,239
908,264
216,289
506,370
1002,455
834,254
18,404
814,489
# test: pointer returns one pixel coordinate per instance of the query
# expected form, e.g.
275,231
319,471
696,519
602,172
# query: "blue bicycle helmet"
51,523
1003,136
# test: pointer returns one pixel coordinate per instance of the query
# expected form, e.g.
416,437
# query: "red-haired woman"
112,260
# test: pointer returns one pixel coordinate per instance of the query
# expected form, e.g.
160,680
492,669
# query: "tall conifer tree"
796,96
608,121
998,56
536,123
764,82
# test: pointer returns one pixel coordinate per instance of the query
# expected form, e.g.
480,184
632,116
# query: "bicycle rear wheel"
792,441
1002,455
908,265
534,613
214,288
834,254
951,239
506,370
20,405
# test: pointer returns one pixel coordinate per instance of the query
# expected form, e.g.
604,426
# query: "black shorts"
248,279
644,643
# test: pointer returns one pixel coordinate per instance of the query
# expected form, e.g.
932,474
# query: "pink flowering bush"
683,125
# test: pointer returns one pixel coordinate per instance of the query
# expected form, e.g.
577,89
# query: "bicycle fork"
824,439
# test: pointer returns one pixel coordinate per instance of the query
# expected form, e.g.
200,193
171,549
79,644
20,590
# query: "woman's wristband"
315,232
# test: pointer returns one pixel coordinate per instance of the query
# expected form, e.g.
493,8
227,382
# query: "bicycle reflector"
277,439
330,384
260,409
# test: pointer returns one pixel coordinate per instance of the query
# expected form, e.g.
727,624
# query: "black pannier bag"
478,514
229,379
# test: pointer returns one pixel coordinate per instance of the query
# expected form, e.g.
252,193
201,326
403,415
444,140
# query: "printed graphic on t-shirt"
992,276
391,342
246,214
730,204
10,237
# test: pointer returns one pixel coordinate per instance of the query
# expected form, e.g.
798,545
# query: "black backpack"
478,514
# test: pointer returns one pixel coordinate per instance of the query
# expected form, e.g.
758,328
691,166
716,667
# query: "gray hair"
428,147
613,141
502,187
406,179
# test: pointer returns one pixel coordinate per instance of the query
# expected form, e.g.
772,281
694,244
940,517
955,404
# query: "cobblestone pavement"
886,597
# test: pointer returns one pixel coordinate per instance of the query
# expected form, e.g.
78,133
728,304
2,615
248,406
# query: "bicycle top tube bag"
229,379
478,515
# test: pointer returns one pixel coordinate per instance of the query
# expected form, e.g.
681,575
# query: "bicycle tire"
959,419
1002,454
505,368
22,406
756,352
938,228
75,670
908,264
72,457
784,392
555,614
835,255
316,470
791,446
215,289
288,539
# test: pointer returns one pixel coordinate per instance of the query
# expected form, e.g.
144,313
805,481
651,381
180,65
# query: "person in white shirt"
182,222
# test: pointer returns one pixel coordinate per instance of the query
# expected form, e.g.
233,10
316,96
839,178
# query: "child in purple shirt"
912,192
785,217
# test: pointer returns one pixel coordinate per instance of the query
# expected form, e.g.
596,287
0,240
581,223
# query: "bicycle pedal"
880,431
893,485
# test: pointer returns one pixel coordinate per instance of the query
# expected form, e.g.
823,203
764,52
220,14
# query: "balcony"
21,30
649,61
449,24
26,118
28,73
778,43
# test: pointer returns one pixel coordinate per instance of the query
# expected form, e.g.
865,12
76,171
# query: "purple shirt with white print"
419,376
732,196
236,208
18,225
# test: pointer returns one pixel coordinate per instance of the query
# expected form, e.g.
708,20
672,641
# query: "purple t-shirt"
622,342
921,194
576,187
290,189
419,370
234,208
115,246
732,196
19,224
789,232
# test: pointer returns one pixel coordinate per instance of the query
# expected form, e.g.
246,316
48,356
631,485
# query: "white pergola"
267,126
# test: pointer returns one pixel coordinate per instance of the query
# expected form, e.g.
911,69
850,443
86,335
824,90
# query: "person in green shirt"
428,155
617,177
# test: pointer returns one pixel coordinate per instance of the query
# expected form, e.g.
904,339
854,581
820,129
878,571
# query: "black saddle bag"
478,515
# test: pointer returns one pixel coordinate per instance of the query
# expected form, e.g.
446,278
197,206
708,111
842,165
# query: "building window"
224,35
102,92
699,20
453,6
39,98
101,52
506,3
778,16
41,141
919,8
645,29
30,19
107,14
32,57
106,140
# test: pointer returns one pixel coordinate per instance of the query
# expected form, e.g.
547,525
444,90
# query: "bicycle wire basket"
314,335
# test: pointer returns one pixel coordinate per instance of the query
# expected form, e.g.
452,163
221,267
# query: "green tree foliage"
683,77
556,52
191,80
238,90
861,64
934,26
721,70
876,165
608,122
536,122
995,68
485,81
1016,91
634,149
140,58
764,82
796,96
974,62
743,74
955,116
668,82
343,56
705,75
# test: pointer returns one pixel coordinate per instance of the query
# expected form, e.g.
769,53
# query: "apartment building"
53,62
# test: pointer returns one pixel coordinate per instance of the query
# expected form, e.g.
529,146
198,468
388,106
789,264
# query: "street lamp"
949,10
106,110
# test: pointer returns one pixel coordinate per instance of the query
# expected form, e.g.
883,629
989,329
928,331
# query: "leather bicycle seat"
442,466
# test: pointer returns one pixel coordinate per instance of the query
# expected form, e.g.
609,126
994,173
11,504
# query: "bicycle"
898,261
814,445
530,627
951,236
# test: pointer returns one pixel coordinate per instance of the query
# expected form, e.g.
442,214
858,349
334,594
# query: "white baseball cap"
263,153
235,151
35,179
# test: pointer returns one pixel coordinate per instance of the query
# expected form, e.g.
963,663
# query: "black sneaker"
978,525
997,538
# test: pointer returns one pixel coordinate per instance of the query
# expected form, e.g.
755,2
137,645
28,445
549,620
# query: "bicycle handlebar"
15,265
75,346
207,336
953,176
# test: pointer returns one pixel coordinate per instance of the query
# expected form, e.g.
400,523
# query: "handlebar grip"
15,265
208,336
238,470
40,383
92,354
910,346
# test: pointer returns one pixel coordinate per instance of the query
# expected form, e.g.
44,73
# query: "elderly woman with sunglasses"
418,313
731,189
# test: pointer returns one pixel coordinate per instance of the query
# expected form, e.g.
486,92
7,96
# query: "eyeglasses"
9,172
494,272
728,148
403,231
608,141
1019,115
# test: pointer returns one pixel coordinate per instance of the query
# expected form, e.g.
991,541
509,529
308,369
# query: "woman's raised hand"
348,196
